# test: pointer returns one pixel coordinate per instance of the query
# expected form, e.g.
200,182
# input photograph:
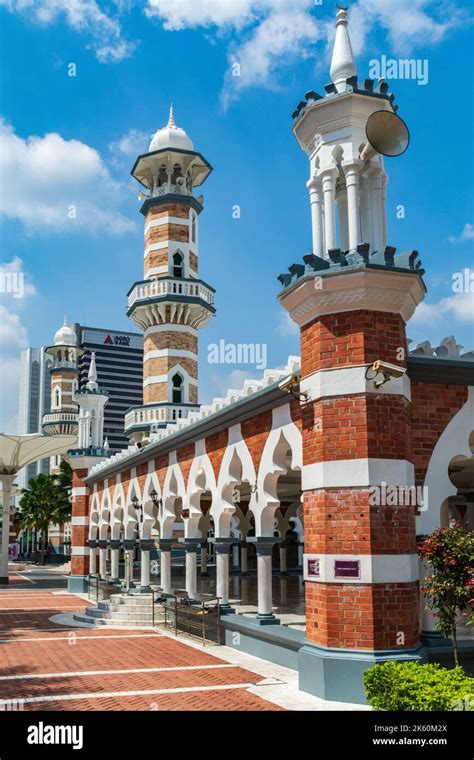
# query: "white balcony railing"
156,415
169,189
59,417
164,287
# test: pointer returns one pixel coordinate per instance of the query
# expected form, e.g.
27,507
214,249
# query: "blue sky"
73,140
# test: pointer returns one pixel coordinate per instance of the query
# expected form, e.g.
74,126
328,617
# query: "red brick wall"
356,337
433,407
363,616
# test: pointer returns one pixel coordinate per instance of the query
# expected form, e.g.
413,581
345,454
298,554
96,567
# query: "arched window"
57,398
178,265
177,389
193,227
177,173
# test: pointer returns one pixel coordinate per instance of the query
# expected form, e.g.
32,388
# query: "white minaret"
342,63
347,178
91,402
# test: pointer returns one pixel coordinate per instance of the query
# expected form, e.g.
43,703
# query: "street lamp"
156,499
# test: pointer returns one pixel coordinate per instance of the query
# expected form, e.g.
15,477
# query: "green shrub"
410,686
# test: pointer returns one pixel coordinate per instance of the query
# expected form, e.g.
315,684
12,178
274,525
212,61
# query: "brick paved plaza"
45,666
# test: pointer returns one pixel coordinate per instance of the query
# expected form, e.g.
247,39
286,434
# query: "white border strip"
374,568
348,381
112,694
357,473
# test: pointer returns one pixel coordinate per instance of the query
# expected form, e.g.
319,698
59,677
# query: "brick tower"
351,299
171,303
63,418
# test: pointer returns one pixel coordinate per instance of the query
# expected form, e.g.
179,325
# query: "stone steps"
120,609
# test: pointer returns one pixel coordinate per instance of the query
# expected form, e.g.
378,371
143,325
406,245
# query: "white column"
204,560
428,620
93,560
114,564
145,568
243,559
7,481
300,554
341,198
328,178
375,192
191,571
351,171
264,581
384,208
165,566
222,573
282,559
316,202
102,562
235,556
365,221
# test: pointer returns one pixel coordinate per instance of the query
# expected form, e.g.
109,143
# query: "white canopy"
17,451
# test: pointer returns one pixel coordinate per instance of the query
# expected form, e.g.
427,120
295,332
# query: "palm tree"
39,505
63,484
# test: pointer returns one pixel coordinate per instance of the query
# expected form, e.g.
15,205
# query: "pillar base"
267,619
144,590
226,609
337,674
435,639
4,580
78,584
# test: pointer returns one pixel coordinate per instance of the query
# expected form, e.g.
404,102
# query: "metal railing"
199,616
165,286
156,414
60,417
100,589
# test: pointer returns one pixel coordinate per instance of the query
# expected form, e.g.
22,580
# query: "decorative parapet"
360,259
250,387
447,349
369,87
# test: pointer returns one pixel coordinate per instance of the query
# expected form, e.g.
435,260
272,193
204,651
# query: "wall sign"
346,568
312,568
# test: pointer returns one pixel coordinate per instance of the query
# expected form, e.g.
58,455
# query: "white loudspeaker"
387,133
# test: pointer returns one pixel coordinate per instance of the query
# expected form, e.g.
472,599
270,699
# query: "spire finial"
342,63
92,375
171,121
65,321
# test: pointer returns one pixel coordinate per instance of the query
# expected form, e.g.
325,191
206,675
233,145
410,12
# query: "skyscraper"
34,402
119,361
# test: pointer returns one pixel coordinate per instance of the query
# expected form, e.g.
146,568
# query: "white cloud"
267,35
84,16
456,308
13,339
466,234
286,326
57,185
133,143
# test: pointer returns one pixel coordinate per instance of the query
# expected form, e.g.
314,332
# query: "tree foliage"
449,588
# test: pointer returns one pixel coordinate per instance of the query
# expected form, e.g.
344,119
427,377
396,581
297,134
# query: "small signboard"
312,568
347,568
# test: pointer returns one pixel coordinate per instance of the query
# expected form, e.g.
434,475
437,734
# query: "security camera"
291,384
388,371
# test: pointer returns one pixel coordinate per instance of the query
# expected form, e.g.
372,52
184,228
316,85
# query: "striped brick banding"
343,521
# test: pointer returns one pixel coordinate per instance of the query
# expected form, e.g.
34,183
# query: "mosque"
275,481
